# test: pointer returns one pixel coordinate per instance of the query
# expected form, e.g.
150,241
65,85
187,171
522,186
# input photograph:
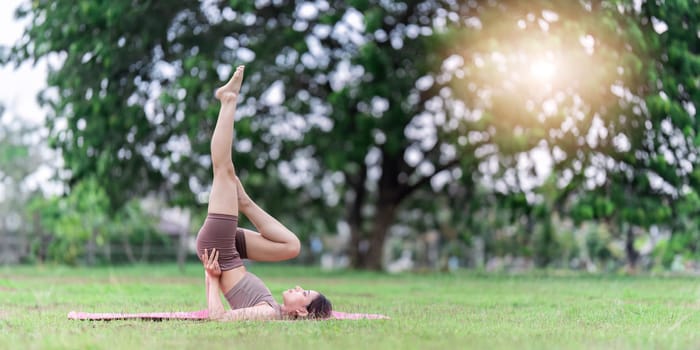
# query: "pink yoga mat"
191,315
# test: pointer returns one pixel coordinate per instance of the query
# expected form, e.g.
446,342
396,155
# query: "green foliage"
72,229
108,54
18,159
72,221
675,87
546,247
597,245
133,223
685,232
134,236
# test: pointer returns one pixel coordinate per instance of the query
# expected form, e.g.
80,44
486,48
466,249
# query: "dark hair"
320,307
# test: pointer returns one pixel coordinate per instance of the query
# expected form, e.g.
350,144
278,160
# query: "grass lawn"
438,311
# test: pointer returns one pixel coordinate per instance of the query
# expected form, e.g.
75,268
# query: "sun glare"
543,71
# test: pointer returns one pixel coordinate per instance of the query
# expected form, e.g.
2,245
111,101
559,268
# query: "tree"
647,179
76,224
355,106
673,106
20,158
585,118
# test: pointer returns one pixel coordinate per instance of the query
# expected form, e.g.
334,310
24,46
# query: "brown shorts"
221,231
240,244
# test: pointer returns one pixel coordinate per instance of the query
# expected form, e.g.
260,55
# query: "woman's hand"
211,263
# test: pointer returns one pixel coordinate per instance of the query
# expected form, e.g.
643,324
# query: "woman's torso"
230,278
249,291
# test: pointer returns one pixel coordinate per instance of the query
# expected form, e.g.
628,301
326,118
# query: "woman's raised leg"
223,198
274,241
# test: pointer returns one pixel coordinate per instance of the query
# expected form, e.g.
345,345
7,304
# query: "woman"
221,245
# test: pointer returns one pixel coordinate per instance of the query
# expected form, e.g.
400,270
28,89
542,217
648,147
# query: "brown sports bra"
250,291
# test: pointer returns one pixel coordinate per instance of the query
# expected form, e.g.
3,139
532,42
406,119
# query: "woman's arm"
206,286
255,313
216,308
218,312
214,305
207,262
212,272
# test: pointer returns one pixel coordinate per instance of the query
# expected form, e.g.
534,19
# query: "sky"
19,87
18,90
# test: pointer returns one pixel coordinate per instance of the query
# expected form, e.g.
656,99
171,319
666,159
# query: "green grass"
428,311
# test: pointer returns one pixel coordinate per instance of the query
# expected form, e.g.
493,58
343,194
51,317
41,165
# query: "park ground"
428,311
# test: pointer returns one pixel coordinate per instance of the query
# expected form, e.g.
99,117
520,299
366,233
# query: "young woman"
221,245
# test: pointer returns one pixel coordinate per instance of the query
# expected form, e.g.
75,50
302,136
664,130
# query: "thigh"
260,248
223,198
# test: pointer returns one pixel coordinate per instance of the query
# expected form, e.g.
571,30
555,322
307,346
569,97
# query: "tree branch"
407,190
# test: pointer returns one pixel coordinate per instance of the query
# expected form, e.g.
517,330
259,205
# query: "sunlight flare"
543,70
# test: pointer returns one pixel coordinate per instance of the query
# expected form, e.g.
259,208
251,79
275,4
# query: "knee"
224,170
293,248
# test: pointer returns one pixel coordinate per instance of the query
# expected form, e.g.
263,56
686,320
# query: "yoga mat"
192,315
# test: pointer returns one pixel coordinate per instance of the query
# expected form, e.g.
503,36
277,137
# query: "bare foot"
243,199
233,87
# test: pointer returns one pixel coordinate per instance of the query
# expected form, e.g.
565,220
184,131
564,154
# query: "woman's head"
300,302
320,307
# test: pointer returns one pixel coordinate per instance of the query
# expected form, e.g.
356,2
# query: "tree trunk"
127,250
369,251
108,252
356,201
91,248
631,252
385,216
182,251
357,248
44,239
146,247
4,243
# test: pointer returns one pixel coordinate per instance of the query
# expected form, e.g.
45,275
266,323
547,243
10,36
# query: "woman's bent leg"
274,242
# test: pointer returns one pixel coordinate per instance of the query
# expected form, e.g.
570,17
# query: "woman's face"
297,298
